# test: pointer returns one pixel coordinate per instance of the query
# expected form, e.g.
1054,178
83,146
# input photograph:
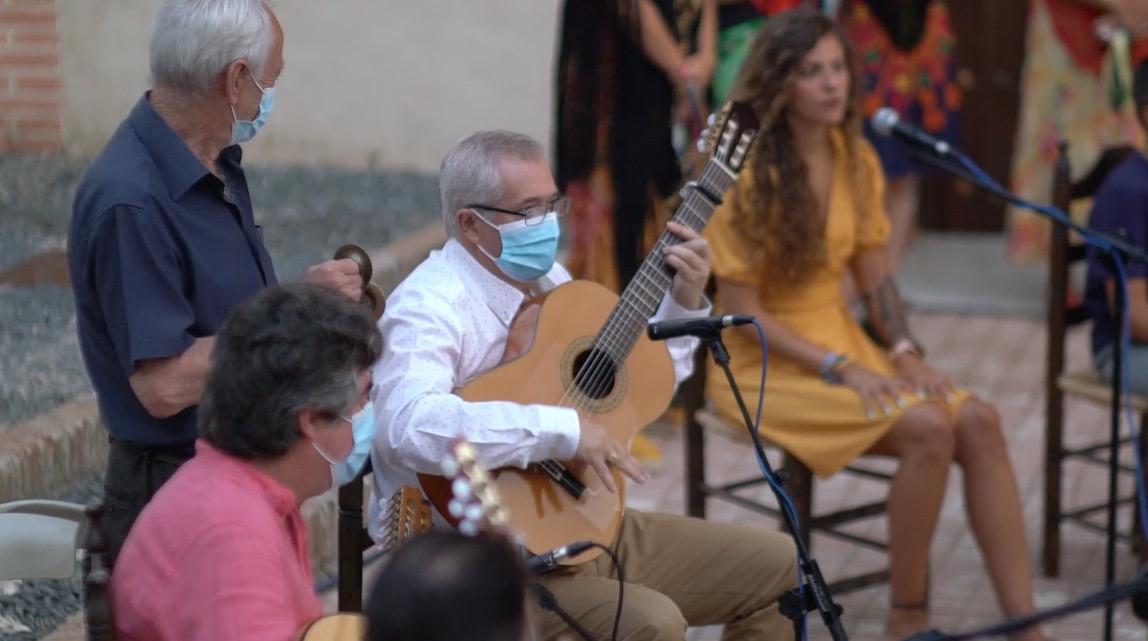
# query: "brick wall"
29,76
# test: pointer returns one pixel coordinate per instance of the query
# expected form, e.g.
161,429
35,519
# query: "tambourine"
372,295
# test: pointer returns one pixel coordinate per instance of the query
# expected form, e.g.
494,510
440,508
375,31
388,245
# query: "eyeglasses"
560,205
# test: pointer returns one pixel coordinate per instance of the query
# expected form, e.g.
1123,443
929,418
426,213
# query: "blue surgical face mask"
528,250
363,433
244,130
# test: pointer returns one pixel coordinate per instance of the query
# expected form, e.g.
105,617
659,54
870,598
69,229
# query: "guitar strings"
622,329
624,326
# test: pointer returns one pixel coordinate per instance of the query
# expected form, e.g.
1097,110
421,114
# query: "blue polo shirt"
160,250
1120,208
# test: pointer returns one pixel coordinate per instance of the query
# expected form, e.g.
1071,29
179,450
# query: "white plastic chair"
39,539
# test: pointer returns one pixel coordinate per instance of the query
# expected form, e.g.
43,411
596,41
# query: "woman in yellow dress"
807,206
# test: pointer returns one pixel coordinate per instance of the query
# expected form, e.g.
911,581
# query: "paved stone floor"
1002,360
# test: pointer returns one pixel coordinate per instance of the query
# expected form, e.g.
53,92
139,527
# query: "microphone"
547,561
889,124
707,326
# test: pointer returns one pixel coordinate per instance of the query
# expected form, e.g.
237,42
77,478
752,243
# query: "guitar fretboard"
646,290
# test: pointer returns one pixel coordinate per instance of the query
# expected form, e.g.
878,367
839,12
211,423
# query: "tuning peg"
475,512
710,120
456,508
450,466
462,489
468,528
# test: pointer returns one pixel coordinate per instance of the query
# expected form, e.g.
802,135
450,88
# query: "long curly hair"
780,218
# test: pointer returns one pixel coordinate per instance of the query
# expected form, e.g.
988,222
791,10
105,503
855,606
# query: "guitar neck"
645,292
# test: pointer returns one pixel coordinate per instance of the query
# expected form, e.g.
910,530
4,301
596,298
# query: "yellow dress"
823,425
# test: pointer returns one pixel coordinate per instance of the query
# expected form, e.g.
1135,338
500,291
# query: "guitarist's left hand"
691,262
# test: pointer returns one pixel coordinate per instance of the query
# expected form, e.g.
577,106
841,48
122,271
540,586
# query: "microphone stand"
1112,246
795,603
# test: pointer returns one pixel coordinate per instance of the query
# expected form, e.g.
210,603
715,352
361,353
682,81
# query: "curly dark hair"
290,348
780,218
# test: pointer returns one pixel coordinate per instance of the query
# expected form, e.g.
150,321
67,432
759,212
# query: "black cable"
1010,626
549,602
621,587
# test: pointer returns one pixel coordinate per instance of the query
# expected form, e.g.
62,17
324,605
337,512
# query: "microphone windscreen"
884,120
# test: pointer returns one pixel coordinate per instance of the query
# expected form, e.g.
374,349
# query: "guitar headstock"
729,136
475,502
406,515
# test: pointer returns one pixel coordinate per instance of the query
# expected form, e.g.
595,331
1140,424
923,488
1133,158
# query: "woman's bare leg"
993,505
923,440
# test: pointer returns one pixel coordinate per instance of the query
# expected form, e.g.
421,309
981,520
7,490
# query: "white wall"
385,82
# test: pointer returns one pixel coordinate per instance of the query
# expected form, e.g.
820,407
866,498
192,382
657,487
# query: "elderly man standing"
220,554
163,242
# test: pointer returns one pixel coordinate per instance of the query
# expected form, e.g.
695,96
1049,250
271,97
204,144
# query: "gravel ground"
306,213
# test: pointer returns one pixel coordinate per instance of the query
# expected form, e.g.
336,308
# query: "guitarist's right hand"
598,450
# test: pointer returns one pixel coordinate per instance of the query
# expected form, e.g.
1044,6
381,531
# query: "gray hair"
469,172
192,41
291,348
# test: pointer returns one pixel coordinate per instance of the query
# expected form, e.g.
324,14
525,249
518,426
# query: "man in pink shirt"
220,553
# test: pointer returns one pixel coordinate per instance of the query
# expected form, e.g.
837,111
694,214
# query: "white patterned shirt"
444,325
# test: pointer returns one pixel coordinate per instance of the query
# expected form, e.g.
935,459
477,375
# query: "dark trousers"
135,473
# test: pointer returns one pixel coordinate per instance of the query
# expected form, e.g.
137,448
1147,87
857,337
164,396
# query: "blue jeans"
1137,366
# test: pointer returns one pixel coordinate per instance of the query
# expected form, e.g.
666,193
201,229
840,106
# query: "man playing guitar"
451,321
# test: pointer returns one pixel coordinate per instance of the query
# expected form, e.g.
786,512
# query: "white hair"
469,171
192,41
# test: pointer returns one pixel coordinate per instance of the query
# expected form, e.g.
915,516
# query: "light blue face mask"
244,130
528,251
363,433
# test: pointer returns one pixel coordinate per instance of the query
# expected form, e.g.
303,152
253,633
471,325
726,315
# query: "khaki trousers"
679,571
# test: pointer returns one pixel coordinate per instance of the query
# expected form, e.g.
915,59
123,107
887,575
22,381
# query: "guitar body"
543,513
336,627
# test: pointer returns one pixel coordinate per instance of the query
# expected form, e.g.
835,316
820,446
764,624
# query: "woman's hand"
879,394
697,70
924,380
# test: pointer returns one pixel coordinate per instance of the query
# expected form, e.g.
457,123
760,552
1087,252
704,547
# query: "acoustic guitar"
590,353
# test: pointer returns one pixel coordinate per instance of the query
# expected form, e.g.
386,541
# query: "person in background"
1121,208
738,22
618,65
1076,62
807,208
163,242
906,53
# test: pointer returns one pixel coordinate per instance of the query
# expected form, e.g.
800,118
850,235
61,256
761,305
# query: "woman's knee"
978,430
926,431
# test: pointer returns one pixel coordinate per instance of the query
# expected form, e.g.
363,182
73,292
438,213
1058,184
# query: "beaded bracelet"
831,366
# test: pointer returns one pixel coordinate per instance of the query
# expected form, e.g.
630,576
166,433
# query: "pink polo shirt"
219,554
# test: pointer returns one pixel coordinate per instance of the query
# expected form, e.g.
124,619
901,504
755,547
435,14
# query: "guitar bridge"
563,477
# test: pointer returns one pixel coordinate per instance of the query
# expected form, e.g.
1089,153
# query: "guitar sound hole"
598,380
